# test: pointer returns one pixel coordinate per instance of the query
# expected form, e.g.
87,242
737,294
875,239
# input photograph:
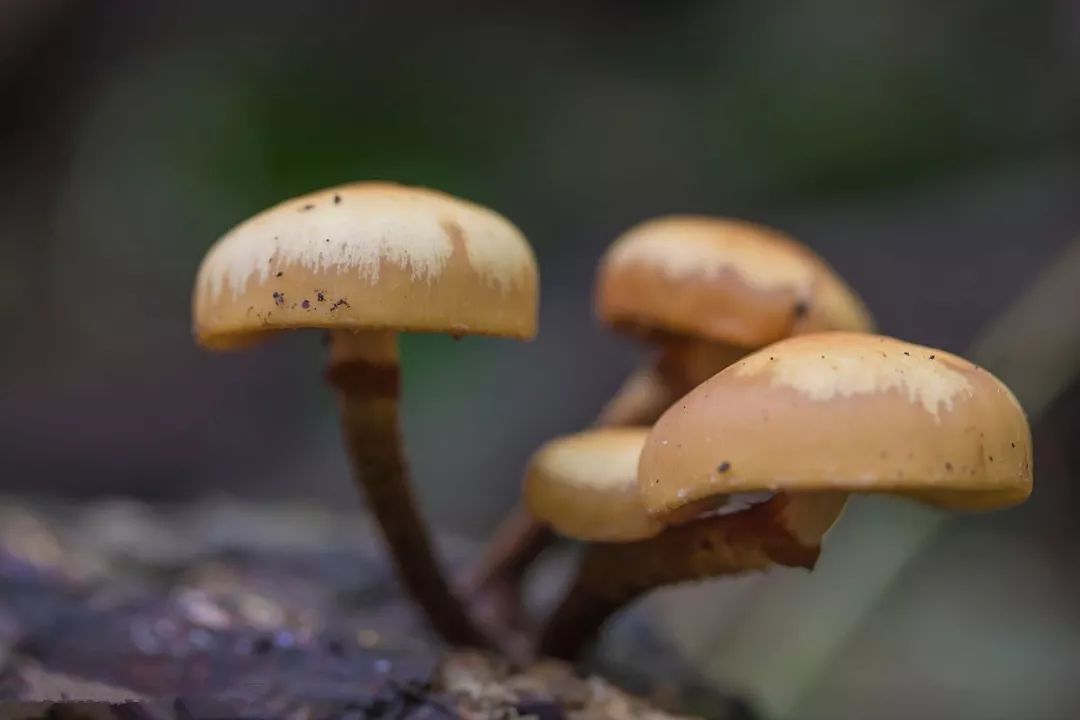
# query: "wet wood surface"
224,609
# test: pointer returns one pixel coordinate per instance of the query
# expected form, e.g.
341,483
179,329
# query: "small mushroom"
703,291
812,419
364,262
585,487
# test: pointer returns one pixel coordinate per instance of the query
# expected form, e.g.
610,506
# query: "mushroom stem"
518,541
785,530
685,363
364,369
642,398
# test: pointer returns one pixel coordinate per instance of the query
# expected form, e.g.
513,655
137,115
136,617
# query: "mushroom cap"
368,255
722,280
843,412
585,486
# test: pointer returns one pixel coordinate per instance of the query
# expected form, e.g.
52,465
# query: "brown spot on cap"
456,235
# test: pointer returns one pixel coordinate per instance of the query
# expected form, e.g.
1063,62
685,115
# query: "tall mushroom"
585,487
364,262
812,419
703,291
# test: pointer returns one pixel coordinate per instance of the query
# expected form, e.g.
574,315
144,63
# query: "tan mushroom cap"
585,486
843,412
369,255
723,280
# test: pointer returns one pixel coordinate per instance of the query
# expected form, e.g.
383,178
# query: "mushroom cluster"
797,427
768,403
702,292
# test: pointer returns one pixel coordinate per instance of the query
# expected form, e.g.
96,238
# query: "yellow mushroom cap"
722,280
585,486
368,255
843,412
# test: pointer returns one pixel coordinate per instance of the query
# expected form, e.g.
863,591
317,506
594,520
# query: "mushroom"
585,487
364,262
703,291
813,419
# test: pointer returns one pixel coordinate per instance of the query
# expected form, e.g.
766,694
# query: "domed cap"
843,412
585,486
369,255
723,280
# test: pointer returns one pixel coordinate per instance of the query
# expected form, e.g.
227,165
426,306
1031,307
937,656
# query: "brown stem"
641,399
364,369
685,363
516,544
612,575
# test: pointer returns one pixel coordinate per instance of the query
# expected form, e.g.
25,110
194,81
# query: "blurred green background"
930,151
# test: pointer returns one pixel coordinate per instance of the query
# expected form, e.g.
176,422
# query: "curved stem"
779,531
516,544
641,399
364,369
685,363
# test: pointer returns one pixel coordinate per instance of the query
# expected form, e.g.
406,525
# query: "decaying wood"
221,609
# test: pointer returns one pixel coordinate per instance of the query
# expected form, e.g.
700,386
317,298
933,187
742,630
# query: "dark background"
929,150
